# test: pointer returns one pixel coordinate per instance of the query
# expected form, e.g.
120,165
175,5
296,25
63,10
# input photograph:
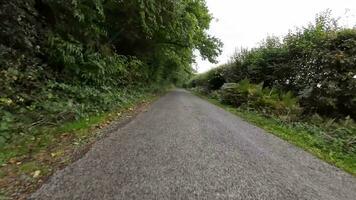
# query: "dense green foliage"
302,89
266,100
62,60
316,63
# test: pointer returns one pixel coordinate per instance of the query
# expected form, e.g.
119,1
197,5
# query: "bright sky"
244,23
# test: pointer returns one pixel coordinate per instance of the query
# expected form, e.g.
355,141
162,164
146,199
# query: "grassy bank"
28,160
310,137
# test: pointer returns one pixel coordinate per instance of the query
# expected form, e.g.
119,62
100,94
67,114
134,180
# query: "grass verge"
30,159
298,134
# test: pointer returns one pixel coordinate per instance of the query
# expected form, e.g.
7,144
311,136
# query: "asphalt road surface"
183,147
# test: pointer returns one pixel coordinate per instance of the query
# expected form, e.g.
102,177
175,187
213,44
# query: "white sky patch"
246,23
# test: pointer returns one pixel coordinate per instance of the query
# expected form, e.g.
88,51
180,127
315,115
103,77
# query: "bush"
316,63
61,102
211,80
268,101
326,70
339,135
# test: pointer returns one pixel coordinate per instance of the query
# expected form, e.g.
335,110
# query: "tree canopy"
77,57
163,33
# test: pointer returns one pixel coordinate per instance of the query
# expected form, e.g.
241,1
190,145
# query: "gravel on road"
183,147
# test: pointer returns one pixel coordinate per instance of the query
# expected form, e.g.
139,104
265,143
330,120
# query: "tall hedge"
317,63
64,59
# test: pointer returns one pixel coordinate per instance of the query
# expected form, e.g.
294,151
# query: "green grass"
300,136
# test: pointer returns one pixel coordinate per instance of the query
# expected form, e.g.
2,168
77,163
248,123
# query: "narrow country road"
183,147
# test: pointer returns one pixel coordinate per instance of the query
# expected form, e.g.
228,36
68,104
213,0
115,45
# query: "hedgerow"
61,60
302,88
316,63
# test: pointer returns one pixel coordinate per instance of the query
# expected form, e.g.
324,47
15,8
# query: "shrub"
316,63
211,80
268,101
